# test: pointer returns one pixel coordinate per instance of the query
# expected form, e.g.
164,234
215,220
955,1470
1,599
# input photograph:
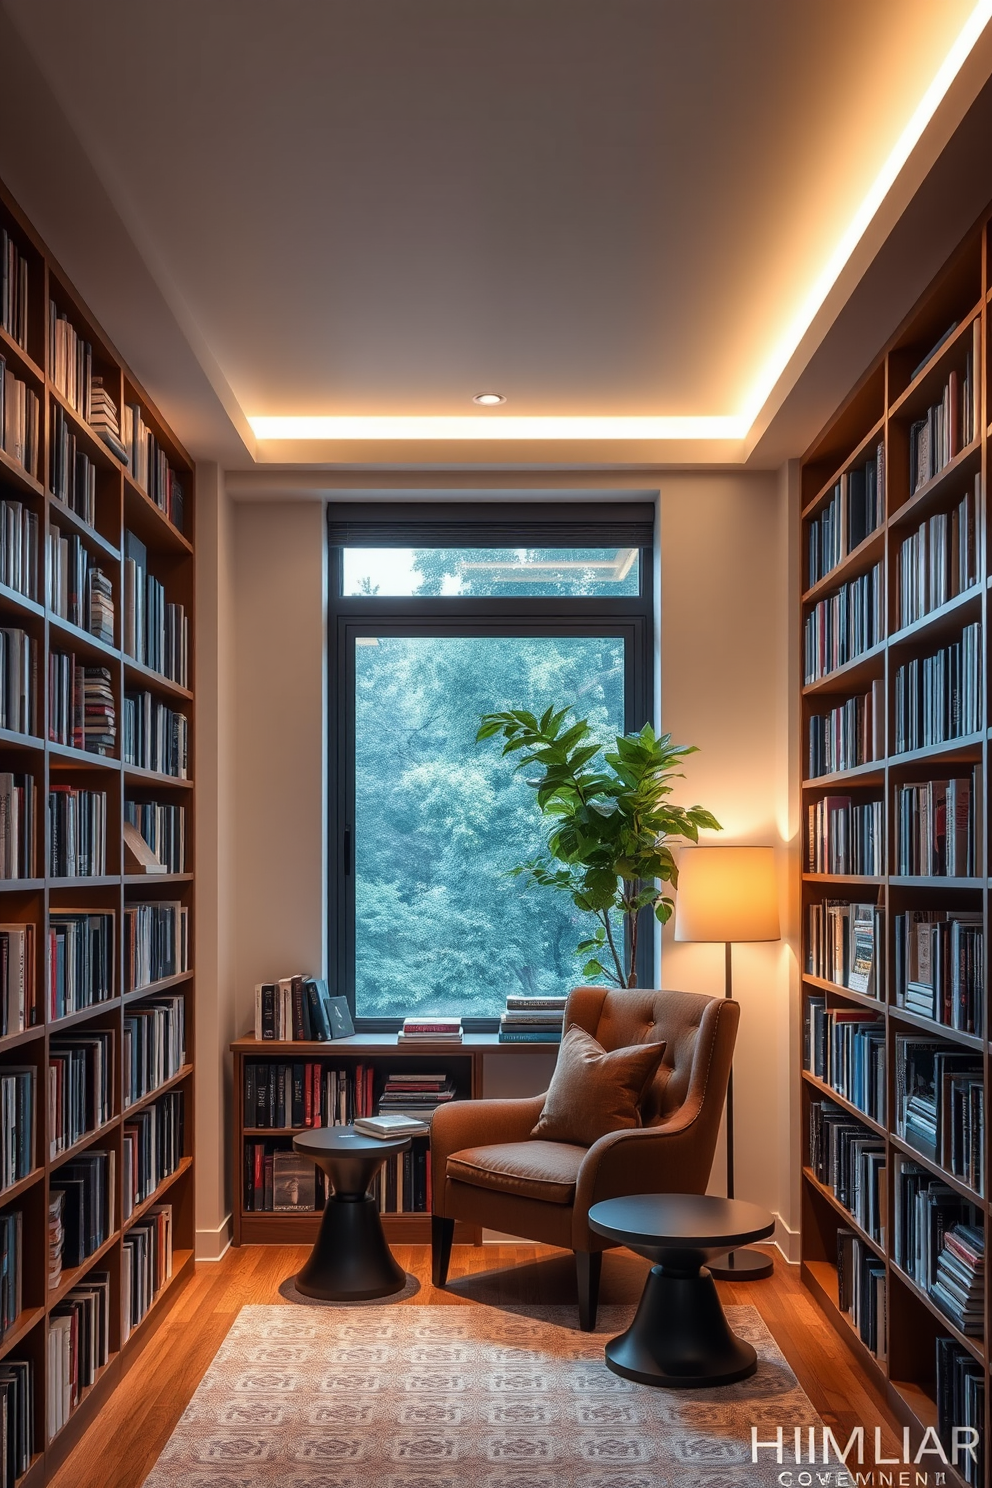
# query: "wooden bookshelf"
899,387
120,505
381,1050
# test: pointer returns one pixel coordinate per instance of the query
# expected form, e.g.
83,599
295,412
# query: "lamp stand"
745,1264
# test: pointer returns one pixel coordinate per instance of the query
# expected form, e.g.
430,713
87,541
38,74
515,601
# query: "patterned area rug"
444,1397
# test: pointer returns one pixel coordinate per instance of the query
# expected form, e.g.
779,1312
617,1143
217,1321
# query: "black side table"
680,1337
350,1261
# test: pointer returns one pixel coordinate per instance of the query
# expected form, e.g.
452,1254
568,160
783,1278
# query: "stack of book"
71,474
961,1402
152,1148
18,674
939,697
845,625
935,828
81,708
844,944
940,1105
940,559
415,1094
532,1020
959,1287
146,1265
70,361
18,838
939,966
17,1413
56,1236
19,548
13,290
78,1346
430,1029
102,419
20,420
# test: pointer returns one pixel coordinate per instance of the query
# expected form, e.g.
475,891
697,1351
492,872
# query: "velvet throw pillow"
593,1092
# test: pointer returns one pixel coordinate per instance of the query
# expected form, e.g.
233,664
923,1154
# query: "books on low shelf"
78,1346
416,1093
532,1020
56,1236
151,1149
401,1186
430,1029
17,1415
300,1009
961,1383
862,1291
103,419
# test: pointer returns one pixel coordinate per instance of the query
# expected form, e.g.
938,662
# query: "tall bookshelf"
122,505
943,343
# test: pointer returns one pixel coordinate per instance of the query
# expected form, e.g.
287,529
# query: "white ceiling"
382,207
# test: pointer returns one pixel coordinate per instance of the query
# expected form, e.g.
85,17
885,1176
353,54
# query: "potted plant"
609,820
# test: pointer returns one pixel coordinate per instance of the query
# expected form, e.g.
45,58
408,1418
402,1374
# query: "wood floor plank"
124,1442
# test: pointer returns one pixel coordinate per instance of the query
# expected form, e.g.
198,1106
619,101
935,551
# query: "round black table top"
344,1141
683,1220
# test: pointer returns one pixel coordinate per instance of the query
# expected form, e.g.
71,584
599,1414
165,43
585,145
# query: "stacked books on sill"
532,1020
961,1401
428,1028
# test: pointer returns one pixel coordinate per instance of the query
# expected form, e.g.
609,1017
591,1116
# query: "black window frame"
434,525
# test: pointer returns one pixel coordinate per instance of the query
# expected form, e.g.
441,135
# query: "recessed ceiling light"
488,400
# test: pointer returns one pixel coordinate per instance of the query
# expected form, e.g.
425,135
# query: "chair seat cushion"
546,1171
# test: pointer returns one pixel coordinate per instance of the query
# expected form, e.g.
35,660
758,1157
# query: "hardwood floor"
122,1445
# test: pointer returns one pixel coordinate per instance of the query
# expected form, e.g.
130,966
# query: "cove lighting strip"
499,426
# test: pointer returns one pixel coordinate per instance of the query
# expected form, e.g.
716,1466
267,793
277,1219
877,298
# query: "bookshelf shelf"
925,400
135,672
93,519
153,1095
864,556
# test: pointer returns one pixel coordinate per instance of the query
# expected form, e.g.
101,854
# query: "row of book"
78,589
848,735
861,1292
81,709
13,290
845,1048
939,697
18,991
310,1093
150,468
856,508
78,1346
844,625
941,558
961,1403
154,1046
20,420
846,837
940,1244
19,548
80,960
939,966
155,633
844,944
11,1268
71,472
849,1159
88,1210
163,827
151,1149
146,1265
77,832
18,681
278,1180
80,1086
528,1019
299,1008
156,942
17,1123
939,1103
153,736
18,826
935,828
70,361
16,1419
950,425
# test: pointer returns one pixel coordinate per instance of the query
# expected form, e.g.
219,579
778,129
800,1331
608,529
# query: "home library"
96,985
894,677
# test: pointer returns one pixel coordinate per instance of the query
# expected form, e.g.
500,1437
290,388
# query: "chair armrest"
476,1123
652,1159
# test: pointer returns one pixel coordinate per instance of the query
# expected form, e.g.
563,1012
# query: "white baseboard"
787,1241
212,1244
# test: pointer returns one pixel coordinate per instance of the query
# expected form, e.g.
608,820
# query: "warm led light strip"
500,426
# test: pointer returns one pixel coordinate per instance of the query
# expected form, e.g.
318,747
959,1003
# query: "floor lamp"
729,894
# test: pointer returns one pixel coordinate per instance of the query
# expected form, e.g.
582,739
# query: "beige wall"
723,659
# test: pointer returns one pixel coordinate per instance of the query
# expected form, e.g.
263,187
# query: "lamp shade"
727,893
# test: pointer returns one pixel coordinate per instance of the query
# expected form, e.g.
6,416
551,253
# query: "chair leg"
442,1234
588,1268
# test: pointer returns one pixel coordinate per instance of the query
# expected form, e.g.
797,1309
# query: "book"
293,1182
390,1125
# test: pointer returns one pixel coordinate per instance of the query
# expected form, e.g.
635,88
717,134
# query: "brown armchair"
488,1170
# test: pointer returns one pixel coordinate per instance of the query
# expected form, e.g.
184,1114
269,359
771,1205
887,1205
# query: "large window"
507,610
